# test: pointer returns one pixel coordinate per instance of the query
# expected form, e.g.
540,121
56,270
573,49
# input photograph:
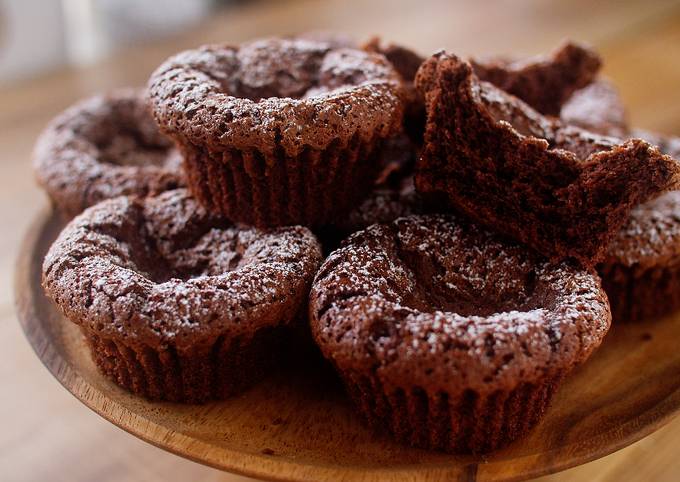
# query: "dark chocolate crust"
104,147
598,108
278,131
449,337
176,303
543,82
562,190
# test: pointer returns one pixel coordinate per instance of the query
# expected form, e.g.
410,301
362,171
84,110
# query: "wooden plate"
298,425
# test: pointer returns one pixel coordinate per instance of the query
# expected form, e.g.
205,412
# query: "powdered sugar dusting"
163,269
651,236
104,147
265,92
370,301
597,108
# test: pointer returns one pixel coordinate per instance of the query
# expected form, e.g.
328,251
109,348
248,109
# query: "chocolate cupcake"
641,268
104,147
448,337
278,131
174,303
562,190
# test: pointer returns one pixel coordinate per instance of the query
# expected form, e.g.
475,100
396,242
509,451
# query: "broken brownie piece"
543,82
563,190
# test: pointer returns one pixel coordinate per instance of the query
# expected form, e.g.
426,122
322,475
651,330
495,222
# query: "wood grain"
48,435
298,425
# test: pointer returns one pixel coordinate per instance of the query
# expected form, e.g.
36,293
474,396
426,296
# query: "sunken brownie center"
129,149
212,253
293,69
166,248
469,277
128,136
268,69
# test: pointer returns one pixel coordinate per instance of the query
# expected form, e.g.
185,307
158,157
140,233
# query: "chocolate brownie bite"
447,336
543,82
278,131
104,147
641,268
175,303
562,190
598,108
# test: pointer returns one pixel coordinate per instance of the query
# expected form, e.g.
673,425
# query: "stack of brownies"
451,232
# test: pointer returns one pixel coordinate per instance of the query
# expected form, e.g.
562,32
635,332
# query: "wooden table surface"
48,435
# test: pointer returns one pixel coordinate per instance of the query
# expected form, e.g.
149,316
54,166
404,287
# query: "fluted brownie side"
639,293
559,189
465,422
318,185
220,370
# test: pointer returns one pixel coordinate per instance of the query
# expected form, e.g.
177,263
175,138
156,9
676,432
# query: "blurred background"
89,45
41,36
53,52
